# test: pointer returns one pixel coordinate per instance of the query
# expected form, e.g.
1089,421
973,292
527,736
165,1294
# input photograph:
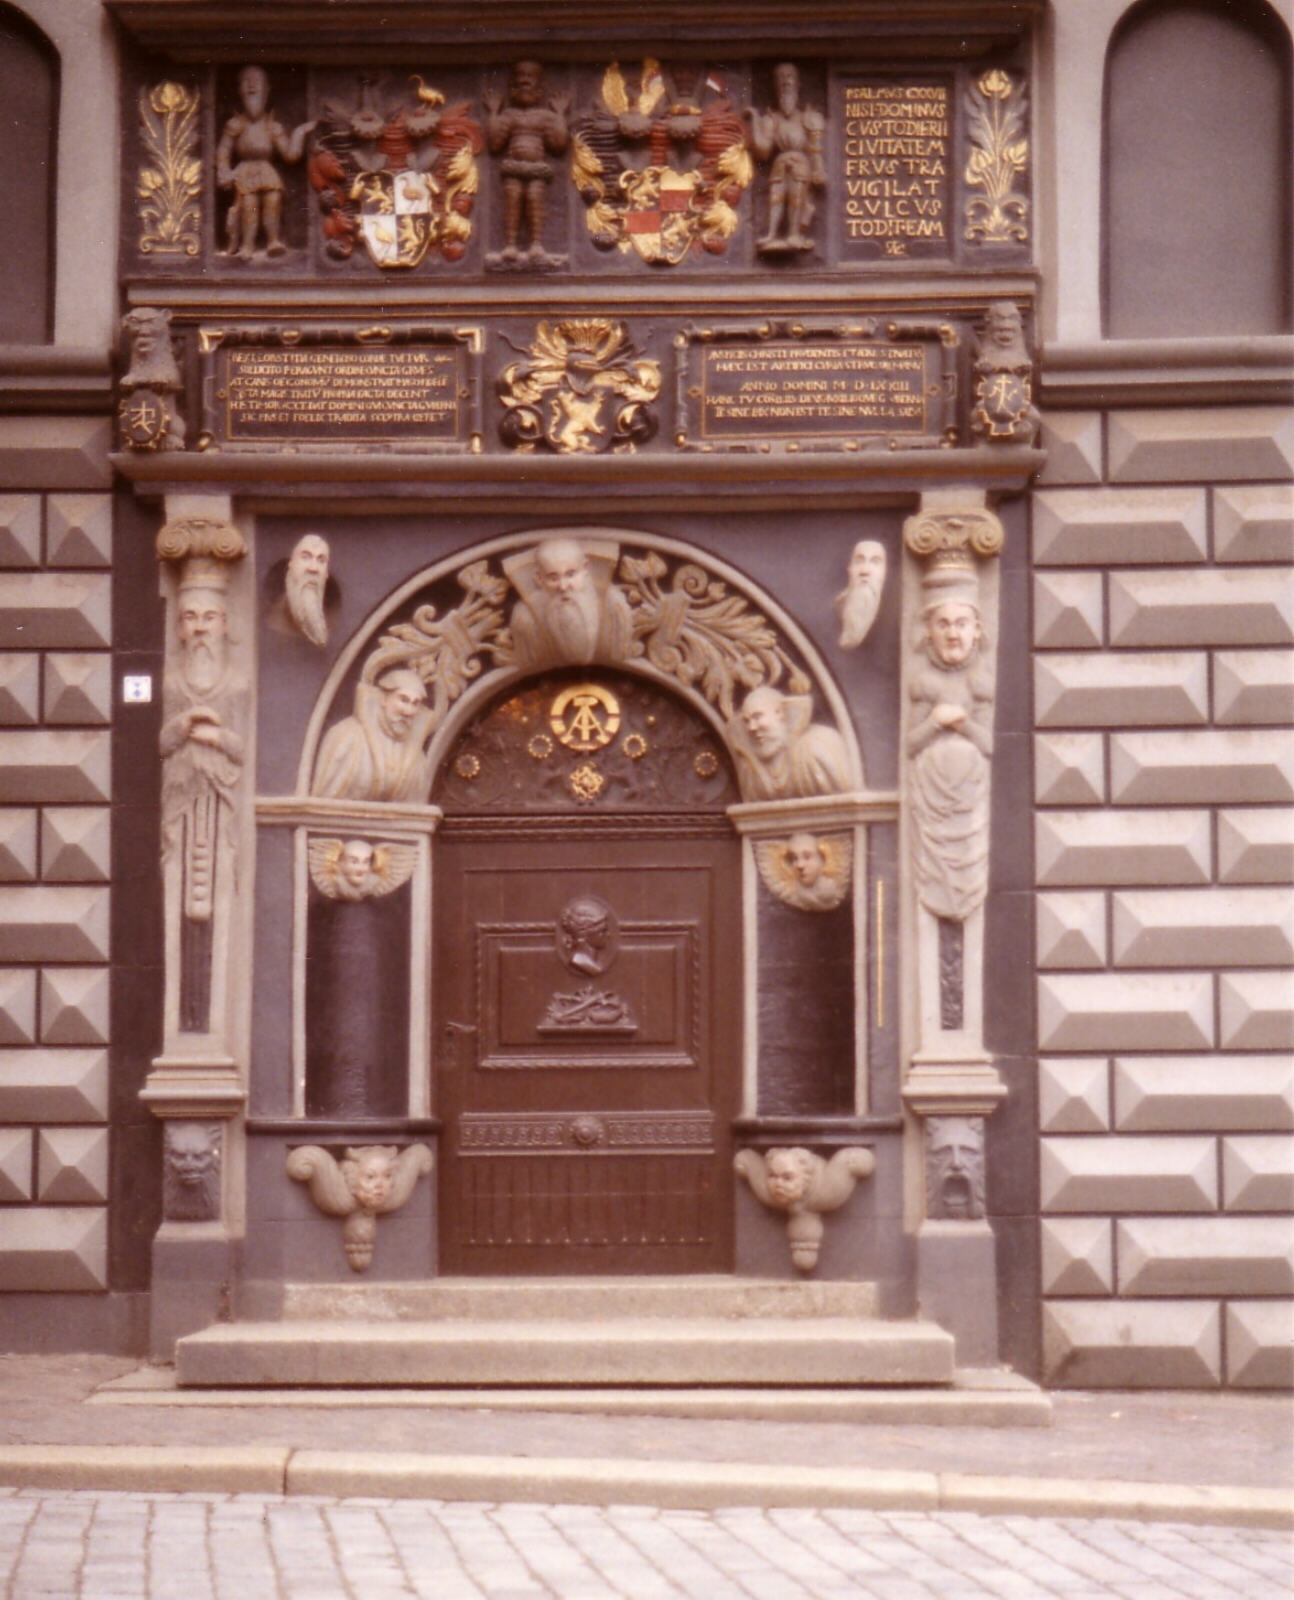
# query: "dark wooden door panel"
589,987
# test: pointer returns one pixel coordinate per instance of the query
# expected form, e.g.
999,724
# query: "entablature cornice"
355,30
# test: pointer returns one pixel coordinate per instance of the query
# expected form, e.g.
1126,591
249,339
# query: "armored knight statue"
523,134
791,134
251,139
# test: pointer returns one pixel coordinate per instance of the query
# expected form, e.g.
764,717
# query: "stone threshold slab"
977,1397
672,1485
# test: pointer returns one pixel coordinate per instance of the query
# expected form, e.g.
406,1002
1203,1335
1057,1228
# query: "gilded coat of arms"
399,178
683,193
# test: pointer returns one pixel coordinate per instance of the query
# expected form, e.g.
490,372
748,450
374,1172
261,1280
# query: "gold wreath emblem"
585,717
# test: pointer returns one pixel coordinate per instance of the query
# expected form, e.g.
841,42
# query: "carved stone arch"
755,641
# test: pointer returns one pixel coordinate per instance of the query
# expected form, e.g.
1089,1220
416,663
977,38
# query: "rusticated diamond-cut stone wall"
1163,618
55,712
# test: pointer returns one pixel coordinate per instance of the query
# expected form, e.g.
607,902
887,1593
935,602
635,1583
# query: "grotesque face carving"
789,1173
562,569
763,714
955,1171
403,696
191,1172
953,630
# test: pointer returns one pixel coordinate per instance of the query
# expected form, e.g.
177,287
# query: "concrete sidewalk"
66,1421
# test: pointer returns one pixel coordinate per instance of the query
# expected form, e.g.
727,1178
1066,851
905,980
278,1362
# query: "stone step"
578,1298
669,1351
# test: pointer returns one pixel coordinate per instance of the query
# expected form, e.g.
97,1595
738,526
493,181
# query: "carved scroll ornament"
371,1181
804,1186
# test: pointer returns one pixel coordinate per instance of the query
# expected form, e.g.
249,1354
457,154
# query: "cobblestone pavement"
90,1546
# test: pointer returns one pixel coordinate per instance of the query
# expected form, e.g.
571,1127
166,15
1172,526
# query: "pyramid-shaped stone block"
17,1005
78,530
19,689
56,764
78,688
15,1164
55,1247
17,844
74,1005
55,610
72,1165
52,923
19,530
53,1085
75,844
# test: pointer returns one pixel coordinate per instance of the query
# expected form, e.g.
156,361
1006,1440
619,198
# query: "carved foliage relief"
568,603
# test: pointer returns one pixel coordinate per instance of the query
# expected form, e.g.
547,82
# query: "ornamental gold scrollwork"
169,185
583,389
995,108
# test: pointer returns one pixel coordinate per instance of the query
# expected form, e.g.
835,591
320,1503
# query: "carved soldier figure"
780,754
950,740
245,163
203,745
860,599
569,611
792,135
378,753
525,133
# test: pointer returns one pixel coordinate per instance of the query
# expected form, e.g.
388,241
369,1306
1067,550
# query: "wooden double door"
588,1011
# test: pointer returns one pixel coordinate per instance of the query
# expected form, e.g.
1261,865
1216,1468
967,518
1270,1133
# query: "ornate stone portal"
502,633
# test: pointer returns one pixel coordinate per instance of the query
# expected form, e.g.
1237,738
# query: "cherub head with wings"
357,869
809,871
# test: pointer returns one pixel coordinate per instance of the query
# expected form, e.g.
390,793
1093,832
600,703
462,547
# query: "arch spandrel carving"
460,632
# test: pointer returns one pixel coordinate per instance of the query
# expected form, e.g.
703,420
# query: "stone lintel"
306,811
194,1086
764,818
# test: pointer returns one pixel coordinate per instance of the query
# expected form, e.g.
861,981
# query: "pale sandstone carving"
809,871
954,1168
305,586
205,711
780,753
569,611
356,869
251,140
804,1185
379,753
371,1181
860,599
950,739
191,1172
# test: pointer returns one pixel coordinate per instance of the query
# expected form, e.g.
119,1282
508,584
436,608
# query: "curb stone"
669,1485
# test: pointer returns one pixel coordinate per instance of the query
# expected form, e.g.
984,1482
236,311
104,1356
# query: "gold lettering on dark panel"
896,163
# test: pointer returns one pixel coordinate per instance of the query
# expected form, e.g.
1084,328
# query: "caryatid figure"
792,134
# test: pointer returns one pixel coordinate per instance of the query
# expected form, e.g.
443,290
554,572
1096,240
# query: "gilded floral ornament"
582,390
170,182
996,107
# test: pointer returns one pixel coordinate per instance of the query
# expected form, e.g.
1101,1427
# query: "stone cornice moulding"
769,818
194,1086
948,1085
357,29
386,817
1256,368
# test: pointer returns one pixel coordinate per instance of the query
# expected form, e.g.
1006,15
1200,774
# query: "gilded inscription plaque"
872,385
896,165
412,389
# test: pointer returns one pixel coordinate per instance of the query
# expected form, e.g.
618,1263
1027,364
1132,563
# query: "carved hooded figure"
378,753
781,754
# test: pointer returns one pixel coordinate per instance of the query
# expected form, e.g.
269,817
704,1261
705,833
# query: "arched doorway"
587,982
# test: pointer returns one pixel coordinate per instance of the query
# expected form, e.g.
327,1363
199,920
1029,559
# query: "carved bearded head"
763,715
404,695
305,582
202,628
860,599
955,1167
